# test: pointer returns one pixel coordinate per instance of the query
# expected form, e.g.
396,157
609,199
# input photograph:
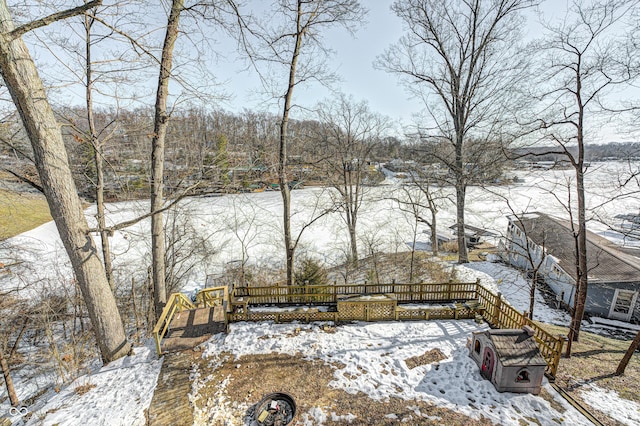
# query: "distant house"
510,359
613,275
472,234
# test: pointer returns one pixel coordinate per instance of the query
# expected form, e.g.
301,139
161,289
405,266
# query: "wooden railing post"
498,308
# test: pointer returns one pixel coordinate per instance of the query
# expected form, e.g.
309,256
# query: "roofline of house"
592,237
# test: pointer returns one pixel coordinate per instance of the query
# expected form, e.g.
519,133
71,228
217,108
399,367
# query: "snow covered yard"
365,359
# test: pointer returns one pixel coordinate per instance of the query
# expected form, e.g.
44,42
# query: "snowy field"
248,225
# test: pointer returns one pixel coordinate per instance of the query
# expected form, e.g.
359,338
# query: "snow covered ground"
373,357
116,394
251,223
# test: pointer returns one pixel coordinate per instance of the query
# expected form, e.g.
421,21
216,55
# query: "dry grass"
253,376
20,212
82,389
593,360
429,357
385,268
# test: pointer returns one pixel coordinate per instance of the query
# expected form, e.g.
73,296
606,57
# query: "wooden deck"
189,328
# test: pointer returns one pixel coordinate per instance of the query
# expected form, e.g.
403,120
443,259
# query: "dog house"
510,359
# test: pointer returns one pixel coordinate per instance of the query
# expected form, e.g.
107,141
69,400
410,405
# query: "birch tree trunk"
27,91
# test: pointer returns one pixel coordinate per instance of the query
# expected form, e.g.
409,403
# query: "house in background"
613,275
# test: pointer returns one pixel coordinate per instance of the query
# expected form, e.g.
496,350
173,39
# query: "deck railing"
176,303
448,300
331,293
465,300
213,296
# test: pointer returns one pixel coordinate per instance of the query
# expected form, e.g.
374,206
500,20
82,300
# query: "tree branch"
23,29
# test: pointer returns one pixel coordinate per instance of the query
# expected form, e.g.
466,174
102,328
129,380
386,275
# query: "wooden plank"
170,403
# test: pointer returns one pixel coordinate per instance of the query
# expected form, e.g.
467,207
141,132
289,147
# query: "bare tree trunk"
97,158
434,229
581,237
161,121
290,246
627,356
532,293
350,200
8,381
28,94
463,256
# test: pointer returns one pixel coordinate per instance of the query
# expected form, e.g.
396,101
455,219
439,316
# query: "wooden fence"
502,315
330,294
448,301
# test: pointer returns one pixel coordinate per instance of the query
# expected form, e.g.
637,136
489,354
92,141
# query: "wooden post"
498,308
135,310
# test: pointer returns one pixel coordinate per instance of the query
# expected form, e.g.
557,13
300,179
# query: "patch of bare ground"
594,360
248,378
434,355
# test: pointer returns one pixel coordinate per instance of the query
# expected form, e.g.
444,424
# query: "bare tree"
157,158
348,133
459,57
586,57
295,45
21,77
413,203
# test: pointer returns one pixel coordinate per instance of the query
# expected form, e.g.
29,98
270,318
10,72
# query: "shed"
509,358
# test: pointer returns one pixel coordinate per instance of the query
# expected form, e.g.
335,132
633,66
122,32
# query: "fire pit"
275,409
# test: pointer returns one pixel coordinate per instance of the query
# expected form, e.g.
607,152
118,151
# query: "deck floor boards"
190,328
